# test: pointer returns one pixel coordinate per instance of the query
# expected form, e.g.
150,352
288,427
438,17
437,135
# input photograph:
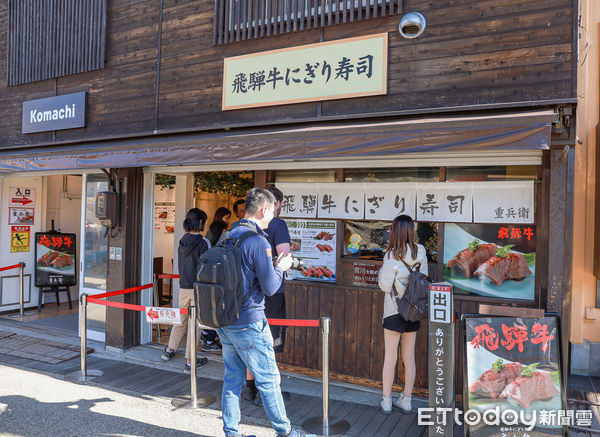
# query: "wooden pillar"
260,178
123,326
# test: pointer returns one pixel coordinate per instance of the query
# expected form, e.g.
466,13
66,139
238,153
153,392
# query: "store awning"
516,130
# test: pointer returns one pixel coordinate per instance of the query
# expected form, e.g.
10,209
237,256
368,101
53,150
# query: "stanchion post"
194,400
192,334
83,336
21,289
325,329
156,300
84,374
325,425
22,313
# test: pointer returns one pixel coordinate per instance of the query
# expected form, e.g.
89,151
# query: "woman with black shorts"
401,247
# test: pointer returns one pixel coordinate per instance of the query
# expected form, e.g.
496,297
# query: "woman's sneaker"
166,355
200,362
403,403
386,405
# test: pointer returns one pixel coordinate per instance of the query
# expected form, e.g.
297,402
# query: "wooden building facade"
488,83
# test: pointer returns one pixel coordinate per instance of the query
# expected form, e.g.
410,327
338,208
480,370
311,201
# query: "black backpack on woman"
414,303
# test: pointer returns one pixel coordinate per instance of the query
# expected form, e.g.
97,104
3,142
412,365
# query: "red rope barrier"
294,322
16,266
167,276
108,303
125,291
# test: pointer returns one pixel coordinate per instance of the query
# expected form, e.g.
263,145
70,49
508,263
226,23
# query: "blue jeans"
251,346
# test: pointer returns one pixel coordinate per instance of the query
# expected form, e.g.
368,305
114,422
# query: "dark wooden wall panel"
472,53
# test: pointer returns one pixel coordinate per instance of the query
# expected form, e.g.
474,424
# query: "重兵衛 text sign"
345,68
54,113
450,202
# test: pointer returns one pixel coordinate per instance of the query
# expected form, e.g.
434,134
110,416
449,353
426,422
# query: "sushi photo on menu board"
513,365
491,260
314,242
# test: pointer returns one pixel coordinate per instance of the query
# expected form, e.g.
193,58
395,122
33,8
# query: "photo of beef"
47,258
498,269
467,261
491,383
62,261
525,390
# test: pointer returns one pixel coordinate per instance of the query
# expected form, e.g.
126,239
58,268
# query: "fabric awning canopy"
515,130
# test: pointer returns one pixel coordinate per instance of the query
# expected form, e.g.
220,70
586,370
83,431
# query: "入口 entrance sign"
54,113
352,67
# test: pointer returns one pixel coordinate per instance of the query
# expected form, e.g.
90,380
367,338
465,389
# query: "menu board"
56,259
164,217
314,242
513,371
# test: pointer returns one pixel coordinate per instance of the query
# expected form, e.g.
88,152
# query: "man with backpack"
247,340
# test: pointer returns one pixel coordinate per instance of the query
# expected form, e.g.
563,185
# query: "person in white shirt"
393,273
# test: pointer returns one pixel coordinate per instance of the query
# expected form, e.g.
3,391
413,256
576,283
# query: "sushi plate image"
483,273
497,382
52,261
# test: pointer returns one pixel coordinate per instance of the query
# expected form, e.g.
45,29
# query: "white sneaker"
403,403
386,405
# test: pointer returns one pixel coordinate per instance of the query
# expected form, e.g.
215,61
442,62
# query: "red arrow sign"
23,200
152,314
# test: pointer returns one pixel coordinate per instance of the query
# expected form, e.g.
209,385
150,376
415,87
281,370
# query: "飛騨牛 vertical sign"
352,67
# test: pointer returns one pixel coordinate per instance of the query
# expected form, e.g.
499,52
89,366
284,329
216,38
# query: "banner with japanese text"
445,202
513,365
351,67
56,259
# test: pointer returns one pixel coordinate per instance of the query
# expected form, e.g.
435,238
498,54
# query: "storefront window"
96,242
393,175
497,173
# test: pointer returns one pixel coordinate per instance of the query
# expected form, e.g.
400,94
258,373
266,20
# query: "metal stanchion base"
21,317
314,425
78,377
185,401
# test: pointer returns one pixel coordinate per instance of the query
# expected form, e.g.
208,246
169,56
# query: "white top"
395,269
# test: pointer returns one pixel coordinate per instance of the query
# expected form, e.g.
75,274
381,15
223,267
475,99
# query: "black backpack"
219,288
414,303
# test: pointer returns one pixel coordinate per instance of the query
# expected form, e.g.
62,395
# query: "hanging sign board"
54,113
19,239
21,196
56,259
504,202
386,201
352,67
513,377
299,200
441,358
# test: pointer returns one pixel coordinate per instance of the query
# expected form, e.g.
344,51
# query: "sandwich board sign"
513,377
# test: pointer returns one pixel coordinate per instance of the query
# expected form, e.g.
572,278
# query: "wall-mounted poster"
19,238
491,260
513,370
164,217
314,242
21,216
56,259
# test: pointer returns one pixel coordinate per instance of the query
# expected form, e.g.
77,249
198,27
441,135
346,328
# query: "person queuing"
219,224
393,273
239,208
191,246
278,237
248,343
